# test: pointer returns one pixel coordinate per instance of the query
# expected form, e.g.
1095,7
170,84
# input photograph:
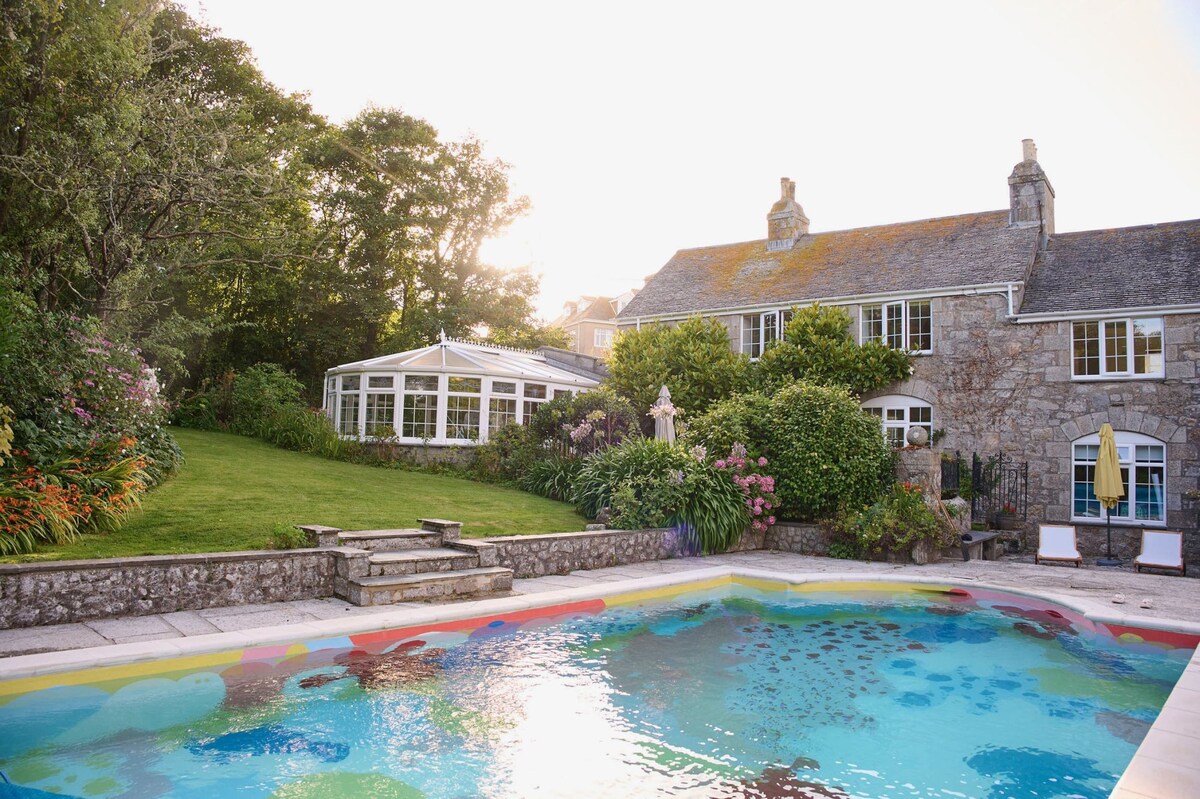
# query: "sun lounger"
1161,549
1056,542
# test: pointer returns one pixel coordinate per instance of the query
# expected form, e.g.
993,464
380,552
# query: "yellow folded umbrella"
1109,488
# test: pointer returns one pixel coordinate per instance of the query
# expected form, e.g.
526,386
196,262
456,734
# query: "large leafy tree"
693,359
405,216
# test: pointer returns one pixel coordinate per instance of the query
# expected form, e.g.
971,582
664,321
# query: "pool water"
724,692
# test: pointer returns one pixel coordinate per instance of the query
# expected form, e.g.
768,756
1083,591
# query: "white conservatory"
450,393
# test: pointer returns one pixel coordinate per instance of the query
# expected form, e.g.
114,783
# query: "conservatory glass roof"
464,356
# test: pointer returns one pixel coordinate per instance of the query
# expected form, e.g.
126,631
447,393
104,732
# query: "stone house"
1025,340
590,322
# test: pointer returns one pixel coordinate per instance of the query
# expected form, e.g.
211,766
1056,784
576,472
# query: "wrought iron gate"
999,485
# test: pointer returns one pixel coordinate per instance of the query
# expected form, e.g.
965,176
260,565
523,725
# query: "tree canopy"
152,177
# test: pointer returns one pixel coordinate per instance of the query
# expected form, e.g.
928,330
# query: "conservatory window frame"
438,404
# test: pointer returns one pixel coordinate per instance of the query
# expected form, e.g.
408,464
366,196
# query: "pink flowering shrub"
757,487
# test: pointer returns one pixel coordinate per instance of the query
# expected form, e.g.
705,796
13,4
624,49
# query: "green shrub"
897,522
508,454
692,359
583,423
817,346
742,419
259,393
306,430
825,451
650,483
286,536
551,477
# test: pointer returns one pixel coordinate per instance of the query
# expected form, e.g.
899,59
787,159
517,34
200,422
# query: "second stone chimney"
786,221
1030,195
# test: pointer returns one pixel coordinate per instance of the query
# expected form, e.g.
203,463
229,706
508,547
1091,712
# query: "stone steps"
429,586
390,540
421,561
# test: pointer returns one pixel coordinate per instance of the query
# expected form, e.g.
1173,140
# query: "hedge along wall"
58,592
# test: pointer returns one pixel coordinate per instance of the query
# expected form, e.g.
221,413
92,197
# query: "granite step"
420,561
430,586
390,540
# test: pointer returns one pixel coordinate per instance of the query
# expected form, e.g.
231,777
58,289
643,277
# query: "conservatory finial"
443,335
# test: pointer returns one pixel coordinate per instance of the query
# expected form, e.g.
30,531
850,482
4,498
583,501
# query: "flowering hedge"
757,488
85,428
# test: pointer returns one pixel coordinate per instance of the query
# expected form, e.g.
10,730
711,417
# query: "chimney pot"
1028,150
783,188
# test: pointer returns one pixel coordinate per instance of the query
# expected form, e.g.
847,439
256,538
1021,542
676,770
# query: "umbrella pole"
1109,560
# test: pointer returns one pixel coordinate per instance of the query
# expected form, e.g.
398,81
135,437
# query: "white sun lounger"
1056,542
1161,549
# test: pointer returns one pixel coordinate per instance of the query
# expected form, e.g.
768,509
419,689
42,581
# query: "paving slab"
268,617
189,622
133,639
51,638
130,626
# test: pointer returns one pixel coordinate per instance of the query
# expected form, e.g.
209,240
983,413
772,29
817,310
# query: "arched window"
1143,472
897,413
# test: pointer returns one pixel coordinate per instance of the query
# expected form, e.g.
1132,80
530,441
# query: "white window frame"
1128,373
1128,446
439,405
480,410
899,407
602,338
366,411
768,327
895,325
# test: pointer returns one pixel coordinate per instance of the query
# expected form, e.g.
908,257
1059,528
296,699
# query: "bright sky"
639,128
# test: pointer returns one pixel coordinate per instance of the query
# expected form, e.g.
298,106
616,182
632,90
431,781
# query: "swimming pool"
735,687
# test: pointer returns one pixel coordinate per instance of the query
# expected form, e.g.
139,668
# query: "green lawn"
233,490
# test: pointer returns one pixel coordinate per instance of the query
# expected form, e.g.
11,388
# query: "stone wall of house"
1000,386
58,592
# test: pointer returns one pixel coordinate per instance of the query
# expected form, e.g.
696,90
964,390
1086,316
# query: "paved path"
1172,597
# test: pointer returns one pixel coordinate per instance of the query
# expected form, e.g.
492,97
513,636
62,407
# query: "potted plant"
1007,518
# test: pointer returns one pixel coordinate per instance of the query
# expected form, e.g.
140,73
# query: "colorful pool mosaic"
729,688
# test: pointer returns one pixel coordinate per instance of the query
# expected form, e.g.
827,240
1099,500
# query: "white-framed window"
534,395
420,407
603,338
348,404
898,413
1117,348
331,398
906,325
379,413
1143,472
761,330
502,405
463,396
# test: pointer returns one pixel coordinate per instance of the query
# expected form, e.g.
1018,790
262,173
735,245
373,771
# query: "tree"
693,359
817,346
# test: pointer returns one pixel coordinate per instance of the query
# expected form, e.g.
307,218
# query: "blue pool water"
726,693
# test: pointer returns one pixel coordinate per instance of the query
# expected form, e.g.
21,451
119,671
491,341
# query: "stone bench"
980,545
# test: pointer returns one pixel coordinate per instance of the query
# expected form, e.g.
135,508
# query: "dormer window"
906,325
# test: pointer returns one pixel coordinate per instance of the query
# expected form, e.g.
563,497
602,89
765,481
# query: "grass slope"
233,490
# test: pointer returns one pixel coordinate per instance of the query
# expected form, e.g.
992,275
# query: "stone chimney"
786,221
1031,197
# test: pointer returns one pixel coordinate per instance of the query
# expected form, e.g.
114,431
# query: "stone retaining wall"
59,592
803,539
33,594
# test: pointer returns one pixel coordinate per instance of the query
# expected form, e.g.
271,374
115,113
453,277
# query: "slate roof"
971,249
595,308
1130,267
